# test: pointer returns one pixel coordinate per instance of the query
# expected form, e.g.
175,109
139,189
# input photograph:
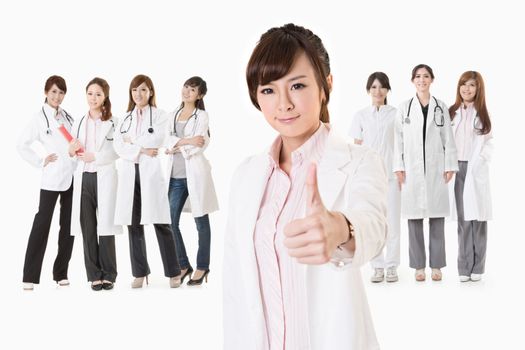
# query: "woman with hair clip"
470,192
424,161
304,216
191,185
96,186
373,126
46,127
141,193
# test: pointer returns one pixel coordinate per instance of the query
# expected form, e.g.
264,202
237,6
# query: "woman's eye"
297,86
266,91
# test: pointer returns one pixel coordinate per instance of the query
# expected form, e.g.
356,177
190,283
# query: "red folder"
68,137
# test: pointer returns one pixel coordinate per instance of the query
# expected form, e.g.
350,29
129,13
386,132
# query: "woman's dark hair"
106,106
139,79
382,78
55,80
479,100
419,66
276,53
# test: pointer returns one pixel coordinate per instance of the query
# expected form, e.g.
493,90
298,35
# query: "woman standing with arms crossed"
191,185
425,160
141,194
373,126
96,186
304,216
470,193
57,181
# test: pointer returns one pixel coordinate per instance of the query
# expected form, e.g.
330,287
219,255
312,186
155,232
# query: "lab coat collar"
103,131
52,113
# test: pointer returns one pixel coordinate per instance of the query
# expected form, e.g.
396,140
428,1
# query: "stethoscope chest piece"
407,120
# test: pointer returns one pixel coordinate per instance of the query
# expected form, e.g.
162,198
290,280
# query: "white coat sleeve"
171,140
356,128
201,129
366,209
487,148
107,154
398,163
124,150
449,144
26,139
157,137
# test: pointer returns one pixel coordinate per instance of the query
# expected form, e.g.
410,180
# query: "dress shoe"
175,282
464,278
188,273
96,285
475,277
420,275
107,285
198,282
63,283
138,282
28,286
436,275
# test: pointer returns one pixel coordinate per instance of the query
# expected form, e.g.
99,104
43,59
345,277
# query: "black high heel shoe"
96,287
198,282
188,273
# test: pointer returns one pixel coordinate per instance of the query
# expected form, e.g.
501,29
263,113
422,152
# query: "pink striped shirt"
92,128
465,132
281,278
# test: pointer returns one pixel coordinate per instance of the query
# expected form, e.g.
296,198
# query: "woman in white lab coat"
57,181
373,126
470,192
141,193
95,184
424,162
298,232
191,185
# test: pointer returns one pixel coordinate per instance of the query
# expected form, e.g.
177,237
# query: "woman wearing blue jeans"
191,185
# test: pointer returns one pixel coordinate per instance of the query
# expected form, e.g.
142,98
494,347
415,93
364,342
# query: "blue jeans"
178,193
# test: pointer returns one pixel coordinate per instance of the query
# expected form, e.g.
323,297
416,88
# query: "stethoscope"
68,118
130,117
476,123
80,124
440,121
195,114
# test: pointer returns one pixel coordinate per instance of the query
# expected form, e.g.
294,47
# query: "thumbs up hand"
313,239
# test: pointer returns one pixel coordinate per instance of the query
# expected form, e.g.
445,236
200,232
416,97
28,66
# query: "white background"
171,42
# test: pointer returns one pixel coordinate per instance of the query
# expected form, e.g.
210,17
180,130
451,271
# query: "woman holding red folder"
57,181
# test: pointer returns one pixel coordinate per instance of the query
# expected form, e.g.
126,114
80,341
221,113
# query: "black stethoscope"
80,124
195,114
440,121
130,117
68,118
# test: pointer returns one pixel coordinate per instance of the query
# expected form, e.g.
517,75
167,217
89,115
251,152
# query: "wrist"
348,232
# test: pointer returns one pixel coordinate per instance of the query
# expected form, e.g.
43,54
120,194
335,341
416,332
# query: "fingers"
315,253
301,232
314,202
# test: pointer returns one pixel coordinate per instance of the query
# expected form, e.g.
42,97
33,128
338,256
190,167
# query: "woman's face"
422,80
55,96
378,93
468,90
95,97
292,104
190,94
141,95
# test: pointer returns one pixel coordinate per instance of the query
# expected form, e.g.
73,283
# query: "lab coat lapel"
430,114
105,128
330,176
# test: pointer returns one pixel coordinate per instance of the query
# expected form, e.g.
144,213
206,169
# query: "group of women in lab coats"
98,195
424,144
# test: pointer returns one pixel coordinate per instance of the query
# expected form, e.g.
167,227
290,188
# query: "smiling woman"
303,216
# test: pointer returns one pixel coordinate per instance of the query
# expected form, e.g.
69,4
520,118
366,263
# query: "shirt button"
340,264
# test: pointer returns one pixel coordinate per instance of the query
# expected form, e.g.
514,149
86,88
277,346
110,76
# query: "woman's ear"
330,81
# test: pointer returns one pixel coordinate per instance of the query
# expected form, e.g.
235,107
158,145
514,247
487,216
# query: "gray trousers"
472,235
99,252
436,246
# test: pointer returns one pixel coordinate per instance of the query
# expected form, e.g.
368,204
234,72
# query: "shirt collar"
309,150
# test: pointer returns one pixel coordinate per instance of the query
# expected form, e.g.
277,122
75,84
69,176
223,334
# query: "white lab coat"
376,129
202,198
154,197
351,180
105,157
477,200
424,193
57,175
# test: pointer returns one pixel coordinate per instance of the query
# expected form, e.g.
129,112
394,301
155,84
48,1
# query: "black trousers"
99,251
36,246
137,242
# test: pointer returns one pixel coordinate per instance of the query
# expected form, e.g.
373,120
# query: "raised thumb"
314,202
